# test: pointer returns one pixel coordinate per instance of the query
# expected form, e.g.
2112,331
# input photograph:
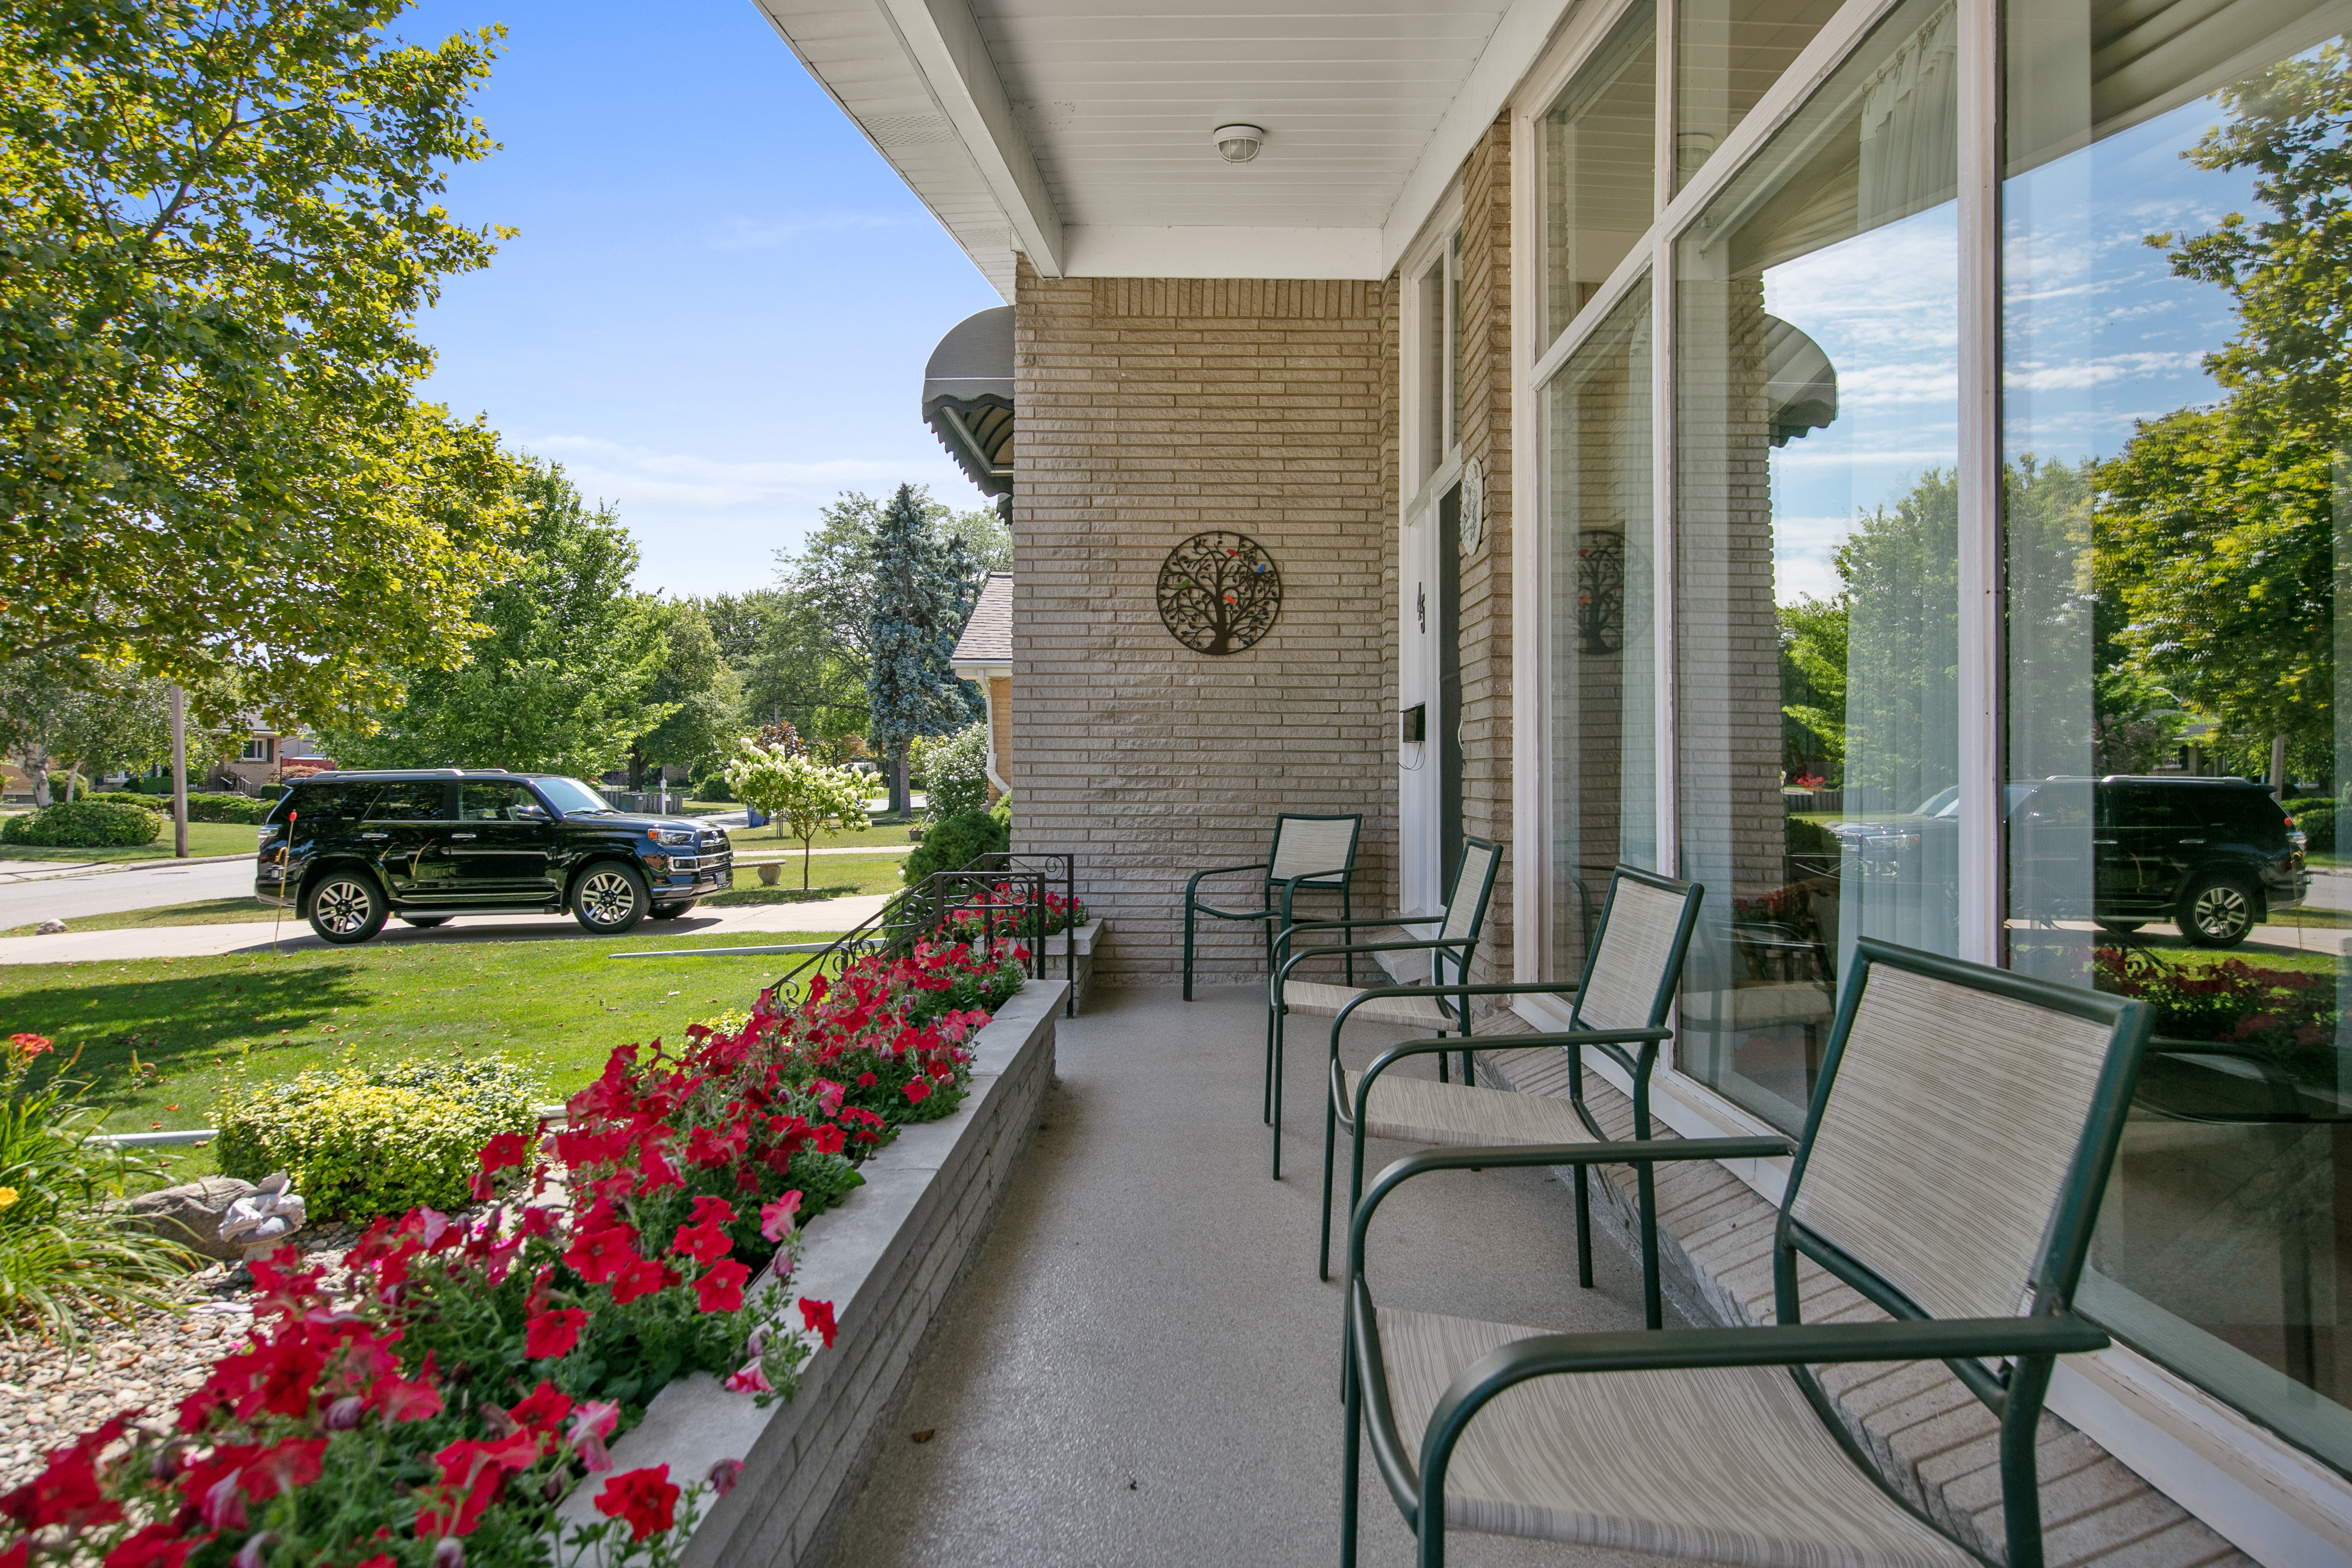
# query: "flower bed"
437,1406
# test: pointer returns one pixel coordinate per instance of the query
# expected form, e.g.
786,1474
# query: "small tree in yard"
800,793
917,611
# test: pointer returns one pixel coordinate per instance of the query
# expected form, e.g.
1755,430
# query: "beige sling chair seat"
1617,1007
1958,1140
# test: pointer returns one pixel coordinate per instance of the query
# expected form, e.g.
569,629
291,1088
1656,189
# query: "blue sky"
716,313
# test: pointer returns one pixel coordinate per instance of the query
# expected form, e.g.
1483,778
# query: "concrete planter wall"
1081,962
886,1260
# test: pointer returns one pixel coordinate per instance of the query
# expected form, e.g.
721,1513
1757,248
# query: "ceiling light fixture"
1238,143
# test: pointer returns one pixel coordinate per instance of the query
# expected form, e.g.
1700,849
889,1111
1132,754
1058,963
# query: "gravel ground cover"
51,1394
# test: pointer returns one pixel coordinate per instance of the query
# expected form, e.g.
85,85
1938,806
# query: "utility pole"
179,771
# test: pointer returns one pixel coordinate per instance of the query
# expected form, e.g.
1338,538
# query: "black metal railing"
996,902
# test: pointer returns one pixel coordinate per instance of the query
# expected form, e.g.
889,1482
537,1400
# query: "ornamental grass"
433,1407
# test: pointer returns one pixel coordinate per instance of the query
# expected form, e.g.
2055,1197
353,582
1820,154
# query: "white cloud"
684,481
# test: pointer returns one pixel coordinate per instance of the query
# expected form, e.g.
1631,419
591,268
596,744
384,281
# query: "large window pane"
1603,695
1726,53
1816,560
2174,427
1600,154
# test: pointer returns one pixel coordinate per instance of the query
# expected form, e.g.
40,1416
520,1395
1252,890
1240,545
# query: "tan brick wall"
1485,624
1152,409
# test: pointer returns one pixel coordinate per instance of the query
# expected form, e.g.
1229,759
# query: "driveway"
195,941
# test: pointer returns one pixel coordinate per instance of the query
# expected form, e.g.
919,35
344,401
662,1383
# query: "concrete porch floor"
1142,1367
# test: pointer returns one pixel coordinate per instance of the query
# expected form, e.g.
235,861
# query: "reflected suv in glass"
2214,856
346,851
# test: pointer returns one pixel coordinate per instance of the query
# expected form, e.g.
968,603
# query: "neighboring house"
983,656
1552,354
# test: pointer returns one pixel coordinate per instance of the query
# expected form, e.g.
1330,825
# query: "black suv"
2213,855
348,849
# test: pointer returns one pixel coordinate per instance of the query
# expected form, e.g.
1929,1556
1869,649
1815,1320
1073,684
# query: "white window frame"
265,745
1419,487
2268,1499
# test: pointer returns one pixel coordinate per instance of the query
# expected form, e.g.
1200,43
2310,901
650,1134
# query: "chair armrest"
1290,886
1506,1042
1193,882
1547,1355
1297,959
1645,1151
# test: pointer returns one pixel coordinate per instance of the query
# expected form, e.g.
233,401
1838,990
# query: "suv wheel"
2215,911
669,911
610,897
345,908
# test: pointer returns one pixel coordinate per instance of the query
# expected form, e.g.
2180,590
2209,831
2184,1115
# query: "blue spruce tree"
922,596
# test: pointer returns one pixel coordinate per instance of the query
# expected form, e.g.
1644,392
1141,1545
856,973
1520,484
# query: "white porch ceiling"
1077,131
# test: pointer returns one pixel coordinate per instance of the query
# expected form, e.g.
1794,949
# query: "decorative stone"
769,873
51,928
190,1216
264,1218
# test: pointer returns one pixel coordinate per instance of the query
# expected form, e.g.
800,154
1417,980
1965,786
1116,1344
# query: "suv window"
411,803
2139,806
318,803
2249,811
2053,806
494,801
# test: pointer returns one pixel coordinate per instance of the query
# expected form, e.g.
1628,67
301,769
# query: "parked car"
348,850
2212,856
2215,856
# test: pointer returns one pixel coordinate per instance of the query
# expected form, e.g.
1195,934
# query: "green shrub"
227,808
951,842
58,783
362,1142
1811,838
2316,819
126,797
955,773
85,825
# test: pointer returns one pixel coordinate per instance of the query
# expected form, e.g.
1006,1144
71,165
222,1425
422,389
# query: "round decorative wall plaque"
1219,593
1473,506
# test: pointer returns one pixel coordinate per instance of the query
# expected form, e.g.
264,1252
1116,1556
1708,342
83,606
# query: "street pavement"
105,892
195,941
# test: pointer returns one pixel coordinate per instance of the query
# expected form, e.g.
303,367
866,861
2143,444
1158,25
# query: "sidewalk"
208,940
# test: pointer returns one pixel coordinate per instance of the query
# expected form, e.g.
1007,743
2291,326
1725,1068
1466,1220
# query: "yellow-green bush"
362,1142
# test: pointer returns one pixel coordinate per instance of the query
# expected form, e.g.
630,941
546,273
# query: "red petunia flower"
159,1545
818,1315
722,1289
828,1140
642,1276
598,1255
710,1211
554,1333
402,1399
67,1492
704,1243
543,1411
918,1090
644,1498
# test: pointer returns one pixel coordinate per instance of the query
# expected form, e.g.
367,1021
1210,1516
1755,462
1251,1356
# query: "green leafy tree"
1812,683
560,681
73,710
218,223
700,693
918,606
2216,533
801,794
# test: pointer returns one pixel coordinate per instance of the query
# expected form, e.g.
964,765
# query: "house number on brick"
1219,593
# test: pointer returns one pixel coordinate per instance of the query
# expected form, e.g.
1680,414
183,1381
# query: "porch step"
1926,1431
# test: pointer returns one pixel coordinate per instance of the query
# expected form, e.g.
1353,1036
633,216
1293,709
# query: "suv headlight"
676,837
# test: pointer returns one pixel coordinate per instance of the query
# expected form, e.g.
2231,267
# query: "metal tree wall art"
1219,593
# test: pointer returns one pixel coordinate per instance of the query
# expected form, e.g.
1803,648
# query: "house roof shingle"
988,635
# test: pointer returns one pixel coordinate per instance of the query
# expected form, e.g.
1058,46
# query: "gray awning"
968,397
1799,382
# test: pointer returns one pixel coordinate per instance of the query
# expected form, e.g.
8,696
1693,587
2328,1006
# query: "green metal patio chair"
1417,1007
1309,854
1950,1170
1630,971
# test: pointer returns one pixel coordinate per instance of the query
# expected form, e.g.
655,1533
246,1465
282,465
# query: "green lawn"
158,1038
829,876
204,838
765,839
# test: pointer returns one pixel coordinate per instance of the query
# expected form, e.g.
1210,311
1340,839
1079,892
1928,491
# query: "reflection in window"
1603,795
2173,431
1600,154
1727,53
1817,576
